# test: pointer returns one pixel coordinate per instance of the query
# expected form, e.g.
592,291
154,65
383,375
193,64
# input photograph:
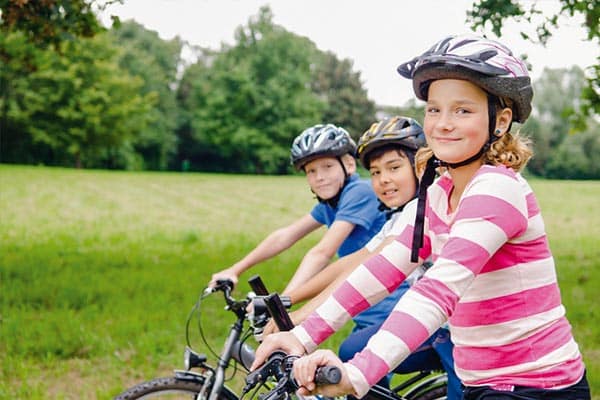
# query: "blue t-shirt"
357,205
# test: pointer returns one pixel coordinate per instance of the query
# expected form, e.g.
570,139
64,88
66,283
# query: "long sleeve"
493,278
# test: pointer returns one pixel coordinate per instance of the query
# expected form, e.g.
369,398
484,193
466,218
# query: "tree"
496,12
243,106
248,102
77,107
155,61
410,109
49,22
559,153
341,89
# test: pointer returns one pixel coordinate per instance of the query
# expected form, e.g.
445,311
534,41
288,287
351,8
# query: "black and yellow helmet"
402,131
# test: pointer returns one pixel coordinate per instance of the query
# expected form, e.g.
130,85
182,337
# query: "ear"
349,163
503,120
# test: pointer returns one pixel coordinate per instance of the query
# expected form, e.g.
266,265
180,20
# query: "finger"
259,356
304,372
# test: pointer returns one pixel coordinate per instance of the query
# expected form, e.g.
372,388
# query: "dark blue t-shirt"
357,205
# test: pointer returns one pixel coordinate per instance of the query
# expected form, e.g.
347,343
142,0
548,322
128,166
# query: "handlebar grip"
223,283
258,286
278,312
328,375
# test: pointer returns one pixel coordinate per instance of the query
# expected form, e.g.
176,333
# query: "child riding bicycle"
493,276
346,205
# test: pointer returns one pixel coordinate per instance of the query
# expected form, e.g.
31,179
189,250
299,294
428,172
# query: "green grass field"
98,270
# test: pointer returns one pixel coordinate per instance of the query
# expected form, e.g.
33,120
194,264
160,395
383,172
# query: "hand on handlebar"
227,273
304,374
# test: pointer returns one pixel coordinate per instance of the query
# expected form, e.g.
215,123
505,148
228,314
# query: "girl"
493,276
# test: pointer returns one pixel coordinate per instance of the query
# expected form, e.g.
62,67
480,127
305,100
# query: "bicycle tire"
432,393
171,388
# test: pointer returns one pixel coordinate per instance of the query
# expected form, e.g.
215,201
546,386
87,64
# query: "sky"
377,35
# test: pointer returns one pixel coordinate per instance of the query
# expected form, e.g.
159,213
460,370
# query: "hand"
304,373
297,318
228,273
285,341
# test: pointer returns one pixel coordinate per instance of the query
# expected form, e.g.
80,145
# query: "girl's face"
456,119
325,176
393,178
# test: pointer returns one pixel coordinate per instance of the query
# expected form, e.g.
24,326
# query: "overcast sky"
376,35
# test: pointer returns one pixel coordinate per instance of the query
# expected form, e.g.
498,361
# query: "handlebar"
279,366
264,306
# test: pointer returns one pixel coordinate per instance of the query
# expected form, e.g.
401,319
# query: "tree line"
123,98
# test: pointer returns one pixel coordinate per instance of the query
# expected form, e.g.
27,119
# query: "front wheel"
433,393
177,387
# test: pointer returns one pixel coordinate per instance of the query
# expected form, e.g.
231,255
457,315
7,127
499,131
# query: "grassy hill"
98,270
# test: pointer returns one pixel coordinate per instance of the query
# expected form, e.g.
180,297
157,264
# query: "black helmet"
321,141
402,131
485,62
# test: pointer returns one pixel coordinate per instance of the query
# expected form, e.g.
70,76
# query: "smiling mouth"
390,192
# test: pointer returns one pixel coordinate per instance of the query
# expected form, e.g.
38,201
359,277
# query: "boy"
347,206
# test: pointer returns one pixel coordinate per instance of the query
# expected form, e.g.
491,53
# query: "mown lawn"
99,270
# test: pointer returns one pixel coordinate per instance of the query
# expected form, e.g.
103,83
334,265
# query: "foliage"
341,89
155,61
497,12
126,99
97,283
252,100
76,107
49,22
411,109
560,154
243,106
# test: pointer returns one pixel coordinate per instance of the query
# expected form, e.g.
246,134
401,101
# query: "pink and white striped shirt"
493,280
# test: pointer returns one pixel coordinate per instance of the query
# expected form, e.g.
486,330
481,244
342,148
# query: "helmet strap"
426,181
388,210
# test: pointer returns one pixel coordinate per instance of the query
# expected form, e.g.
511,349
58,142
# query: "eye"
462,110
432,110
374,172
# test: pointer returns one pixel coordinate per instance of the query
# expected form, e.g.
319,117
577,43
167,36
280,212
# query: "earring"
498,132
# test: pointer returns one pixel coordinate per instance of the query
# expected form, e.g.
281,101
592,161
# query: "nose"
444,122
319,175
384,177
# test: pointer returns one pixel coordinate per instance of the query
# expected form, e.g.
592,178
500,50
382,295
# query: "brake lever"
268,369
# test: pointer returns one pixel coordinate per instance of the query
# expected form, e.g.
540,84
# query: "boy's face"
325,176
393,178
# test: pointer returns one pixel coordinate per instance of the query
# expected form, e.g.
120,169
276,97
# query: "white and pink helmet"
485,62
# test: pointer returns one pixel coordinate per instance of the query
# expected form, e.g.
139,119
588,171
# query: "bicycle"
209,382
